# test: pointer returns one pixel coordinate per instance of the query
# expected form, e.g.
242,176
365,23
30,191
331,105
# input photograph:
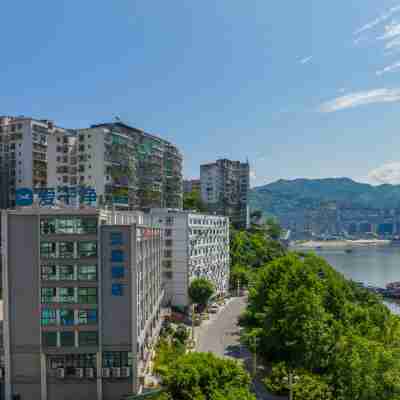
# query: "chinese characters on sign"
47,197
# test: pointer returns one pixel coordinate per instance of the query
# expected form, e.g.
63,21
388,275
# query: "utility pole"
290,385
193,316
255,356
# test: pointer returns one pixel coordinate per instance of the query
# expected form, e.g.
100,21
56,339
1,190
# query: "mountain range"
287,196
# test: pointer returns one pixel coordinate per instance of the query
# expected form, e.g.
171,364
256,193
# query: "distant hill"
288,196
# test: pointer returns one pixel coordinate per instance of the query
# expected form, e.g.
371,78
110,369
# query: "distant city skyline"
312,93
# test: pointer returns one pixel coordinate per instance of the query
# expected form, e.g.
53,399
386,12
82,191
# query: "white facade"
195,245
24,155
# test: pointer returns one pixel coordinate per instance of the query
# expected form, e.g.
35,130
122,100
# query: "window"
67,339
48,250
87,295
66,272
65,249
66,295
117,272
67,317
48,226
48,295
88,339
87,273
89,225
117,289
66,225
116,359
87,317
167,253
116,238
117,256
168,232
169,221
168,242
167,274
49,339
87,249
71,361
49,272
167,263
48,317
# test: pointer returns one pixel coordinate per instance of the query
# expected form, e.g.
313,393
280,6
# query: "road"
221,336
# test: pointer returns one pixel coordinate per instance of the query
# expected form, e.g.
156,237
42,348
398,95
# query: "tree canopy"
192,201
312,319
203,376
201,290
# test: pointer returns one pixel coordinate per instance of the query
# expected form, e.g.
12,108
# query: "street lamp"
291,380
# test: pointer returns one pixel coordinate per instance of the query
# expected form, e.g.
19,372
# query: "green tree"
241,274
342,339
203,376
192,201
201,290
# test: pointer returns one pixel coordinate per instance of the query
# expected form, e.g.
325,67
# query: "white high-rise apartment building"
195,245
23,155
225,188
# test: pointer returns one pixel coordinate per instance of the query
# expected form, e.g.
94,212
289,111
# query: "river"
376,265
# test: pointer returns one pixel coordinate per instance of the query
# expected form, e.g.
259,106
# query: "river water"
376,265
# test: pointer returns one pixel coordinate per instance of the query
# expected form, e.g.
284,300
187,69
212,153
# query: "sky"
299,88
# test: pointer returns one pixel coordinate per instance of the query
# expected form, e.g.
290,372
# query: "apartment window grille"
71,361
49,339
48,317
67,317
48,295
168,232
87,273
167,274
49,272
66,225
168,253
66,249
66,272
87,249
67,339
88,225
48,250
88,338
87,317
87,295
66,295
116,359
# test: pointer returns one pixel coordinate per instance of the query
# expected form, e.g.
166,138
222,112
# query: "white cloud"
384,17
253,175
392,30
305,60
387,173
389,68
356,99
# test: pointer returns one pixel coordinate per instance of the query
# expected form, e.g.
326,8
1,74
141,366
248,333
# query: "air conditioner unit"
106,372
125,372
61,373
89,372
79,372
116,372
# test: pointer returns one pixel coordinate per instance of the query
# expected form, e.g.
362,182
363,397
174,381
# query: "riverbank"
331,244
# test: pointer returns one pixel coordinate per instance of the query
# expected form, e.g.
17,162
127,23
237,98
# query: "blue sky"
302,88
